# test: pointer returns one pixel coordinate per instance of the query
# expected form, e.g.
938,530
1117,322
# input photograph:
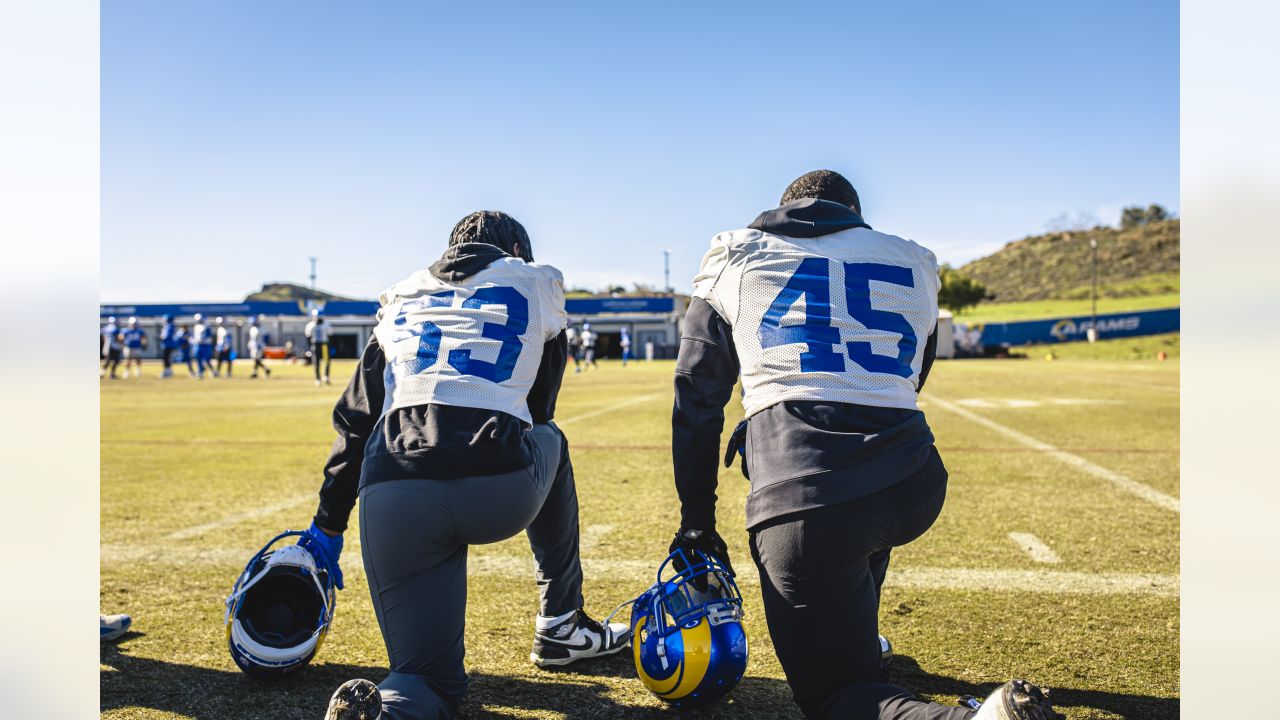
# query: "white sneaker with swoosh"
577,638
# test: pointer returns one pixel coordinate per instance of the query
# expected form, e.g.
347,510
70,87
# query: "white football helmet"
280,608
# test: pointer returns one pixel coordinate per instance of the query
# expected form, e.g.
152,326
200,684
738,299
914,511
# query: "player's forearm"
706,372
695,450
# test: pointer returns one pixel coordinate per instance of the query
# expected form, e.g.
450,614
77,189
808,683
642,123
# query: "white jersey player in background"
317,332
588,339
257,346
831,327
224,346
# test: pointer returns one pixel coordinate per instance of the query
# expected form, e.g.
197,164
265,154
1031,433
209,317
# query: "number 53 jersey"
472,342
842,317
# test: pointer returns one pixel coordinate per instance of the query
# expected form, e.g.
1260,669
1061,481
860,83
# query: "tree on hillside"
1155,213
959,291
1133,216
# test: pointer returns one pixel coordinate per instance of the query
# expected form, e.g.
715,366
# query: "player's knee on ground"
414,697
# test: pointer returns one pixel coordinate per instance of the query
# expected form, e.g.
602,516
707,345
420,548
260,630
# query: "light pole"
1093,326
313,273
666,270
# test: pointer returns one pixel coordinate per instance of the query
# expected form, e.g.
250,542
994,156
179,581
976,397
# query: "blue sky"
239,138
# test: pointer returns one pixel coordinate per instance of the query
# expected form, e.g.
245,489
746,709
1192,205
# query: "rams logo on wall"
309,306
1068,329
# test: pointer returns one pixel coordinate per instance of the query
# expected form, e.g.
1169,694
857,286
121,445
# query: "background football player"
135,342
317,332
186,353
574,338
257,346
202,337
589,338
168,345
467,360
832,327
106,341
224,346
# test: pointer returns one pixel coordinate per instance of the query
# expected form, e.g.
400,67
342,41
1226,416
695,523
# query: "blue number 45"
812,280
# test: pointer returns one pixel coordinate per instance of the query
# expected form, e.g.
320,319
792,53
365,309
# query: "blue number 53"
429,335
812,281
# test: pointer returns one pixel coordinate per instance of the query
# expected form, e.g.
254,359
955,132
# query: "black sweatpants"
820,575
320,351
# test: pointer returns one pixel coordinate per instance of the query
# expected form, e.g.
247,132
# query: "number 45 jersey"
473,341
836,317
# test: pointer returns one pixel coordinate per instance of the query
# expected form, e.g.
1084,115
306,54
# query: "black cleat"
355,700
1016,700
578,638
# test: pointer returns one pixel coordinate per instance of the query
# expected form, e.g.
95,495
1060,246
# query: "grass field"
1145,347
1041,309
1055,558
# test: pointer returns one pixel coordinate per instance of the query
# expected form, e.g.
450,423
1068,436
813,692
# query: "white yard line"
1145,492
1035,548
236,519
592,535
1034,581
609,409
636,575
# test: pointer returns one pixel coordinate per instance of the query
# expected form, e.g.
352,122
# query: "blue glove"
332,547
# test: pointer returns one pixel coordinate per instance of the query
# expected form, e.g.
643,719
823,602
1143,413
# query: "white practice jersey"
472,343
317,332
841,318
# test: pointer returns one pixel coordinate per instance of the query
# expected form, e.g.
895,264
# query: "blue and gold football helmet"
686,631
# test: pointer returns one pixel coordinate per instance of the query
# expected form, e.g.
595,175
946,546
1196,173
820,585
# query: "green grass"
1041,309
1145,347
1166,283
178,454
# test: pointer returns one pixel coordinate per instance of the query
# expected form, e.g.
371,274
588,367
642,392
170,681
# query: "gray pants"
414,536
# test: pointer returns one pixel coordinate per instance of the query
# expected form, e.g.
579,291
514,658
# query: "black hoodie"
800,455
440,442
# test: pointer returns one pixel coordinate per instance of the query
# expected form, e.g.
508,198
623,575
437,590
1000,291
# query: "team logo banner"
1116,325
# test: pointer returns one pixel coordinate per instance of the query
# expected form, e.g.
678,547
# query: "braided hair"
494,228
823,185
